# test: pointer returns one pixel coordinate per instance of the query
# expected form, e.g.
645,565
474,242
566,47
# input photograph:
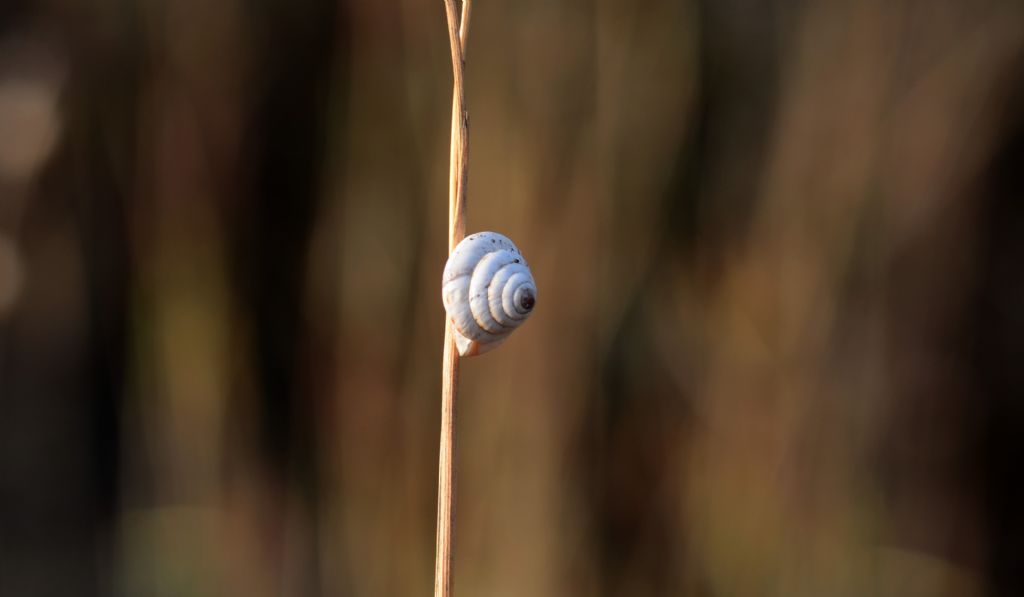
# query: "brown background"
778,343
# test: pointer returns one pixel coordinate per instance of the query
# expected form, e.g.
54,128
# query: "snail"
487,290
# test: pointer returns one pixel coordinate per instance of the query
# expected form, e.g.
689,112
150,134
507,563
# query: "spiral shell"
487,290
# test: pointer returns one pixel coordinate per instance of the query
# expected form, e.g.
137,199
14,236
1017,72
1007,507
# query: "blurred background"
777,350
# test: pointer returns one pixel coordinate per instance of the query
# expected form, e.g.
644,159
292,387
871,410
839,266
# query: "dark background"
778,343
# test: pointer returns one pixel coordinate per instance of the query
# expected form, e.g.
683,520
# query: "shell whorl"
487,290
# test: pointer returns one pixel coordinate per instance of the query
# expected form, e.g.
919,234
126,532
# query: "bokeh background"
777,350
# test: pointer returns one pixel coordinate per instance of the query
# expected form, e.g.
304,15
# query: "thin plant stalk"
457,30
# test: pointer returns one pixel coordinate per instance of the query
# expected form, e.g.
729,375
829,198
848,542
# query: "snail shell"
487,290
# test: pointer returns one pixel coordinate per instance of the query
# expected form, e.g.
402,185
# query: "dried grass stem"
457,31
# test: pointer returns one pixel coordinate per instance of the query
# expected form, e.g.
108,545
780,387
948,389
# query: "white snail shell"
487,290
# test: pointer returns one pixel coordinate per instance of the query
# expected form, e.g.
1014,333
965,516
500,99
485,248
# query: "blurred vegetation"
777,350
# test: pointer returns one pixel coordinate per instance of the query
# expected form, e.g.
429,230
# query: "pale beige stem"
459,157
457,31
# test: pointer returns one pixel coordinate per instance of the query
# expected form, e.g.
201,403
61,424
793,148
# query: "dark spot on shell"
493,241
527,301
